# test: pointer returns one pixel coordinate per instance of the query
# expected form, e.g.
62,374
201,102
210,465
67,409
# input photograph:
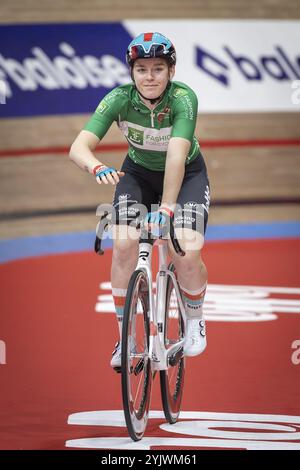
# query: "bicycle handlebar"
104,223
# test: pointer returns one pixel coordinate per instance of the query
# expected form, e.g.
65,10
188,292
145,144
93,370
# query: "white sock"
194,301
119,296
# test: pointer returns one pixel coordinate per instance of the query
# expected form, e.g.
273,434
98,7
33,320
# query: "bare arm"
82,149
174,171
81,153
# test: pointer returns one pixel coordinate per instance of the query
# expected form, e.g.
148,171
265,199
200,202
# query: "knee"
189,264
125,251
190,240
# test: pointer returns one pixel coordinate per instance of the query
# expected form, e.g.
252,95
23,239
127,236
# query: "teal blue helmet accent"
150,45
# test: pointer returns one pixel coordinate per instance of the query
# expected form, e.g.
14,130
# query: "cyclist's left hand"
107,175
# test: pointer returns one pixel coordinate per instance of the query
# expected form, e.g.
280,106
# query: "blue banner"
48,69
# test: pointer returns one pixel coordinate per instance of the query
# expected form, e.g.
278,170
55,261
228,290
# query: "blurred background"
242,71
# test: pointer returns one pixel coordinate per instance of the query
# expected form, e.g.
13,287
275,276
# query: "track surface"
57,348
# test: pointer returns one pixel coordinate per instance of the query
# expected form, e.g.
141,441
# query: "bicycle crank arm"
175,357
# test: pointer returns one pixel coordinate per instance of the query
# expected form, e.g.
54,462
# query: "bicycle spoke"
172,379
136,370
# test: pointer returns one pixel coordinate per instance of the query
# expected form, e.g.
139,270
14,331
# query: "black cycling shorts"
139,191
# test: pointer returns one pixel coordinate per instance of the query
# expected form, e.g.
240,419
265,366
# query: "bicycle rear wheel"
135,362
172,379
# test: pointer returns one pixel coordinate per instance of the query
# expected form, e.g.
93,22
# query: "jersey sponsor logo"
187,102
135,135
179,92
102,107
188,107
116,93
146,138
157,138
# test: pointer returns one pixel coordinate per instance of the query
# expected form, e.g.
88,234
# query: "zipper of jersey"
153,115
152,118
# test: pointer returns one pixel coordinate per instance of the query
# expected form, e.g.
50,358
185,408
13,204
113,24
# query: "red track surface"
58,347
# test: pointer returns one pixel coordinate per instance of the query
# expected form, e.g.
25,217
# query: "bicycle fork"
171,355
159,355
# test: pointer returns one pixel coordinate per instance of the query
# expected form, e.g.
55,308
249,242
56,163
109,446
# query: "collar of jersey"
140,105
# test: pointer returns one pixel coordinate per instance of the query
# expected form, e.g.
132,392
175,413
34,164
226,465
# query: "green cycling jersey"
148,131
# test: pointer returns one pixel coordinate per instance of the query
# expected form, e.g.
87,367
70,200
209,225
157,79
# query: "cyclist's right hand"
107,175
155,222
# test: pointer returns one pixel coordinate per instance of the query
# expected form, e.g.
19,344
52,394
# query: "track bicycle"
152,333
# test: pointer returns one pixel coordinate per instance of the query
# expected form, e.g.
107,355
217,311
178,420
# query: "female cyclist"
164,163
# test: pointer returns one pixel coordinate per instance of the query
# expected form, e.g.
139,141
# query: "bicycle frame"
158,354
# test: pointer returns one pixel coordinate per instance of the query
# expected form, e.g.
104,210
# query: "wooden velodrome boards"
48,183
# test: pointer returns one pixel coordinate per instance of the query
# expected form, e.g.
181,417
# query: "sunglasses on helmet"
155,50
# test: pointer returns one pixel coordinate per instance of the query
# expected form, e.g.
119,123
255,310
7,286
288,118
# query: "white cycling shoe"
116,356
195,337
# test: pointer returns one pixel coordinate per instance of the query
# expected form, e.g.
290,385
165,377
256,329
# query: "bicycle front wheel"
172,379
135,362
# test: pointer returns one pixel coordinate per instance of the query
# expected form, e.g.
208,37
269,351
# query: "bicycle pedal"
175,357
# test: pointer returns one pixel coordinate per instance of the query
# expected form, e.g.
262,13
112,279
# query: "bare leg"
124,260
192,277
191,270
